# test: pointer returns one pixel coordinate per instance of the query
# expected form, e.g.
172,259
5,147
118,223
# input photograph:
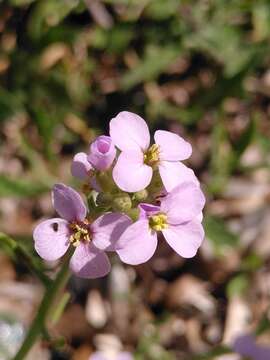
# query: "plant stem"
39,322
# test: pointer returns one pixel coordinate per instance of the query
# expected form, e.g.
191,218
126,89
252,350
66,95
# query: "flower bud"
102,153
104,199
140,195
122,202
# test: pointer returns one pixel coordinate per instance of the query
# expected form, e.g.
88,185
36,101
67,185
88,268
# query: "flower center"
80,233
151,156
158,222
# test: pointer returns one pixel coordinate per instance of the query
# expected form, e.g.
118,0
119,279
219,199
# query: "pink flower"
102,153
178,218
134,168
245,345
53,237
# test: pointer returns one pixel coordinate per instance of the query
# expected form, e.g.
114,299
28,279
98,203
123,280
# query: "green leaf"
18,251
21,2
237,286
221,158
160,9
154,62
252,262
261,20
219,235
20,187
243,142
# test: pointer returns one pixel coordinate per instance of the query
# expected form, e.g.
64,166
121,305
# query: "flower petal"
147,210
51,238
137,244
175,173
172,146
130,173
185,239
102,153
89,262
183,203
80,166
68,203
107,230
129,132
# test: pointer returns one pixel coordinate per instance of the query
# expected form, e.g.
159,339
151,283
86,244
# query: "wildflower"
137,161
245,345
102,153
178,218
53,237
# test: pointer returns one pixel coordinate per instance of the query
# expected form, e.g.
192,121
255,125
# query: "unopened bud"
141,195
122,202
104,199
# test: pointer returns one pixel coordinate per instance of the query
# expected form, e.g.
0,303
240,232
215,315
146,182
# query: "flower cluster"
134,191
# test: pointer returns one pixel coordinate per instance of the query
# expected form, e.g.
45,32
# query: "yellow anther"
158,222
80,233
151,156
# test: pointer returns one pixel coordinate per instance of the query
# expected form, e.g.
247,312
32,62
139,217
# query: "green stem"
39,322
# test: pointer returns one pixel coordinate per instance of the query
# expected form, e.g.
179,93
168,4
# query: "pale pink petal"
129,132
183,203
89,262
175,173
68,203
172,146
107,230
51,238
80,166
137,244
200,217
185,239
130,173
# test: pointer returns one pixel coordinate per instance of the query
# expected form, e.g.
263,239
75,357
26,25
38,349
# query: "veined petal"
80,166
185,239
137,244
175,173
89,262
147,210
107,230
172,146
130,173
68,203
184,203
51,238
129,132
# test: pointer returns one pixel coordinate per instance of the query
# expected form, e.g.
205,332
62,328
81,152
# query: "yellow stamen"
151,156
80,233
158,222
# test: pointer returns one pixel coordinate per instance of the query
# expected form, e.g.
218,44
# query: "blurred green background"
199,68
68,66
